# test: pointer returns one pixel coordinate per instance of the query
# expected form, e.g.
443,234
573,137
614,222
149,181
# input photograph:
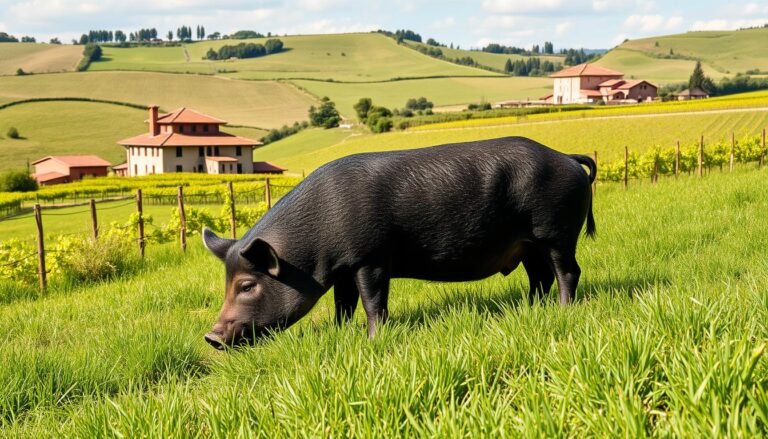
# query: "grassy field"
313,148
441,91
38,58
263,104
668,338
73,128
341,57
722,53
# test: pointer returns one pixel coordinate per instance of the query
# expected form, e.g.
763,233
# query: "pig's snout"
216,340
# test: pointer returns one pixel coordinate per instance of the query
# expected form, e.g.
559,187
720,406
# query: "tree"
13,133
549,47
379,119
170,35
202,32
362,107
326,115
508,66
699,80
17,181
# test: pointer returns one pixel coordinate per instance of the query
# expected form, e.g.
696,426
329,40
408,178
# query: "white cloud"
722,24
618,39
521,6
563,28
444,23
320,5
755,8
652,23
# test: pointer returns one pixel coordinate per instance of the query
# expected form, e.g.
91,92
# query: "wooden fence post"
626,166
94,220
140,209
268,194
762,153
40,248
733,147
182,220
655,175
232,217
594,183
677,160
701,157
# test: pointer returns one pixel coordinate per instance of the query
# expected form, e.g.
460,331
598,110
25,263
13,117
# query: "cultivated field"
722,53
441,91
73,128
668,338
340,57
263,104
38,58
608,136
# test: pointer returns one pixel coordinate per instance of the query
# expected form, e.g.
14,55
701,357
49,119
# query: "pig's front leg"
373,284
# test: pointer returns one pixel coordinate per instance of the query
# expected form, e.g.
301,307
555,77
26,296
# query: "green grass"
722,53
441,91
668,338
73,128
263,104
38,58
341,57
577,135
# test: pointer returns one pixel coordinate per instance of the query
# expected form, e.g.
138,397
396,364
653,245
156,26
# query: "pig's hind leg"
540,274
373,284
346,296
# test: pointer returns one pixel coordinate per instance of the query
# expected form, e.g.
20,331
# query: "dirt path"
623,116
186,53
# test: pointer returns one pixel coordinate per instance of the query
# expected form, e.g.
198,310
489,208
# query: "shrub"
17,181
20,72
326,115
92,260
13,133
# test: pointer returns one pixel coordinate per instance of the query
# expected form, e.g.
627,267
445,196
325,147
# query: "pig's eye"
247,287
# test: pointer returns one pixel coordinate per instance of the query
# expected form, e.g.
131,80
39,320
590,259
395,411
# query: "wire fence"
227,196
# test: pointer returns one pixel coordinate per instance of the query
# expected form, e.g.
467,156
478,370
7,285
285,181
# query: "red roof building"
267,168
67,168
588,83
185,140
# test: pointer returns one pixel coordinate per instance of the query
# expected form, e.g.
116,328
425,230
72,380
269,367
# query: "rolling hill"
486,59
339,57
264,104
671,58
38,58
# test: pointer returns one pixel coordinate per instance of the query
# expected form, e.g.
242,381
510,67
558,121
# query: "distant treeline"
531,66
548,49
245,50
401,34
7,38
725,86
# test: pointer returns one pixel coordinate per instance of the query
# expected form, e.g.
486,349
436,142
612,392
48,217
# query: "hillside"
38,58
493,60
722,53
264,104
71,128
340,57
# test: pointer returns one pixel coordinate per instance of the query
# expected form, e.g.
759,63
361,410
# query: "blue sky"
567,23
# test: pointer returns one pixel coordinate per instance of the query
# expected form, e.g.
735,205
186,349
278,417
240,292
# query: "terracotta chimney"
154,128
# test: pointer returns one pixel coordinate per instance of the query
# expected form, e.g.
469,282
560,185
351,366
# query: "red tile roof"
693,92
185,115
585,70
611,82
591,93
266,167
49,176
632,84
76,161
221,159
120,166
177,139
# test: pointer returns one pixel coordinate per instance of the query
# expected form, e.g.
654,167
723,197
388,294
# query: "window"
238,151
201,151
181,128
216,149
205,128
135,170
179,151
199,168
230,168
222,168
194,128
153,169
209,151
145,151
178,168
239,168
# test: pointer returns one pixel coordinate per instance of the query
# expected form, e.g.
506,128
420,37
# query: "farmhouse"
185,140
693,93
588,83
67,168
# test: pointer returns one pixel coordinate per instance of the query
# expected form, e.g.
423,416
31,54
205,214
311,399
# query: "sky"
593,24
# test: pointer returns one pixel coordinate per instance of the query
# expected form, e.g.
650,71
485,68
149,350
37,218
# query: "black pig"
457,212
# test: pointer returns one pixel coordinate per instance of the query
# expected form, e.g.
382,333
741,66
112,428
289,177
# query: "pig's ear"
259,253
217,246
